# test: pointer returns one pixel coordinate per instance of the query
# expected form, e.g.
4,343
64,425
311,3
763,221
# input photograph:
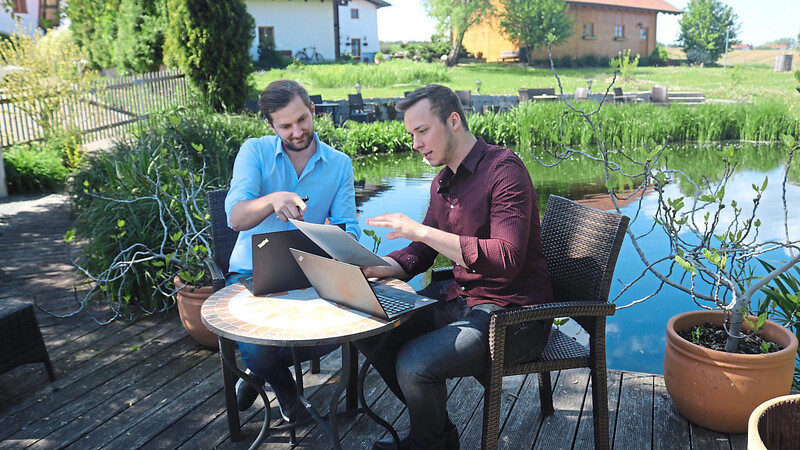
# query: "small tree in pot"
712,238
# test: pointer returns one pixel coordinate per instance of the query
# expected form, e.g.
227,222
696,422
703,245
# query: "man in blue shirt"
271,177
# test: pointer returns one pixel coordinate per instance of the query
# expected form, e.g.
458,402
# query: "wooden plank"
472,433
558,429
584,439
187,426
96,371
524,420
738,441
97,407
202,387
635,416
705,439
670,429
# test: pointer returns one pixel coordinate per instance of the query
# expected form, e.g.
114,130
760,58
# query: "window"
619,32
265,34
354,13
588,30
355,48
20,6
642,34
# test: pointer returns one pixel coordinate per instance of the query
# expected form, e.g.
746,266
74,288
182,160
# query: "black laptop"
274,268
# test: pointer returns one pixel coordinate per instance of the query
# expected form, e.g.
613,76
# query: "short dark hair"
443,102
280,93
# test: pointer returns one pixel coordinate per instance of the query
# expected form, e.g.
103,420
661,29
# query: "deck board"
148,385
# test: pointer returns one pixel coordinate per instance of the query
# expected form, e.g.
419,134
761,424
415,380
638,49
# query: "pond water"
635,335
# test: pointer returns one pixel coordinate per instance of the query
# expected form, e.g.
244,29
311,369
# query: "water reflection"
635,336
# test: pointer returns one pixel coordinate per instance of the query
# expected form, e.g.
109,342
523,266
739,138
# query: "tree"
457,16
140,35
210,42
703,30
530,23
94,29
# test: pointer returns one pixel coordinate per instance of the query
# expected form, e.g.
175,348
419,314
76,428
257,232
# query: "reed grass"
385,75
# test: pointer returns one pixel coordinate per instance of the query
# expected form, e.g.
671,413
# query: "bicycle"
303,55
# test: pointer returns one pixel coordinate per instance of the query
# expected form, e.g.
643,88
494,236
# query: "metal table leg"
364,406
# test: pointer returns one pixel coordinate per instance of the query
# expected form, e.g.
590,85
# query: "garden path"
148,385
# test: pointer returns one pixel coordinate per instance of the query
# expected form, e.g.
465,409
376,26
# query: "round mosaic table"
292,319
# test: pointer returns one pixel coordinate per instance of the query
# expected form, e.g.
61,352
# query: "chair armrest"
442,274
217,277
548,311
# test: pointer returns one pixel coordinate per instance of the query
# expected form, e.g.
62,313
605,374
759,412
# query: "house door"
355,48
643,48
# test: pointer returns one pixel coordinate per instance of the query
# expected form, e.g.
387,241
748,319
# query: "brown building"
602,28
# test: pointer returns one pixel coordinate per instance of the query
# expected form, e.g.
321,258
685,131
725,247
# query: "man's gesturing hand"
403,226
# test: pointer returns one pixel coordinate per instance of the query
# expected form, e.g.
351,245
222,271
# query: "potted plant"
143,229
714,241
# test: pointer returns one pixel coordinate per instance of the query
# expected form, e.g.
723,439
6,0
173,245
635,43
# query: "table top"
294,318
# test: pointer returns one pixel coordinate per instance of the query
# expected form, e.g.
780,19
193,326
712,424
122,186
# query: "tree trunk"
736,328
452,58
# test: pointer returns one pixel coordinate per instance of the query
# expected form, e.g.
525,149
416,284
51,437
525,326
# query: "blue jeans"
445,340
272,363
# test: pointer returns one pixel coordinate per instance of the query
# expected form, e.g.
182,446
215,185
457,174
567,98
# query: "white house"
331,27
31,14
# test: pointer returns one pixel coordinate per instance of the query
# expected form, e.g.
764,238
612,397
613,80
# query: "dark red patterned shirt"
490,202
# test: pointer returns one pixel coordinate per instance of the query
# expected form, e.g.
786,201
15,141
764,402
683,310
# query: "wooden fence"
111,108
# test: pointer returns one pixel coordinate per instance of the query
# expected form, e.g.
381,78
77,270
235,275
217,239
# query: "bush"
429,51
379,57
699,56
33,168
210,42
392,72
269,57
658,57
94,28
140,35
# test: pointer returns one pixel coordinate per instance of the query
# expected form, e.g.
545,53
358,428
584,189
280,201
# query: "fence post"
3,188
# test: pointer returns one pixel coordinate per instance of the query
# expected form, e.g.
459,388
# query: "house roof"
650,5
379,3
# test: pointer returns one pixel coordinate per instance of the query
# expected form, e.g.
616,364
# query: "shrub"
379,57
94,28
269,57
33,168
658,57
624,64
699,56
429,51
210,42
140,35
392,72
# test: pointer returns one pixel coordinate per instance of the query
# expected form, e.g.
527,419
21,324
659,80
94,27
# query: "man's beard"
309,138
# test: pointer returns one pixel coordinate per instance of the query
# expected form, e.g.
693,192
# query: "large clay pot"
773,425
190,300
719,390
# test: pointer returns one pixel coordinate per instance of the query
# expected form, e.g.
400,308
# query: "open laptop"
345,284
274,269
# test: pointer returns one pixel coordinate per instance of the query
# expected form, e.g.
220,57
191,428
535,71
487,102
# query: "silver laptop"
346,284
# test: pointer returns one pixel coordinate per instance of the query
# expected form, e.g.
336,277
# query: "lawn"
743,82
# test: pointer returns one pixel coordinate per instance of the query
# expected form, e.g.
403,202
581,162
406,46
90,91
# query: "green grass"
751,83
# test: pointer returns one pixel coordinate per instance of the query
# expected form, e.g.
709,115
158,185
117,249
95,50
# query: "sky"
761,21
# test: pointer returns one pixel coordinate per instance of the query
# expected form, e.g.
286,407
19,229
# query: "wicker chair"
581,245
20,339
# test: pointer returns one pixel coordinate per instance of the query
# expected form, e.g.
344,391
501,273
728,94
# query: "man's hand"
287,205
386,271
403,226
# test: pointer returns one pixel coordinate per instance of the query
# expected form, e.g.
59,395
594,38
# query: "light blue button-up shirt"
263,167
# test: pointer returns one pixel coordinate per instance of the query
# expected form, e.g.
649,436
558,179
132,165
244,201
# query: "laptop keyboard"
392,302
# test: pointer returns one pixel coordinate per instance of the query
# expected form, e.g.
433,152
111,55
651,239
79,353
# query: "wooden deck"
148,385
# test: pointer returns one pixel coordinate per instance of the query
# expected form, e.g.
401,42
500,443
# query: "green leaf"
764,186
120,223
788,140
685,264
706,198
69,235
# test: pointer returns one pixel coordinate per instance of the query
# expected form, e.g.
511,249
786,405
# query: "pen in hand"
304,199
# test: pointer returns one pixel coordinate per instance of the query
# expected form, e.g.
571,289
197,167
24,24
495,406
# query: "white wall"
297,24
29,21
364,28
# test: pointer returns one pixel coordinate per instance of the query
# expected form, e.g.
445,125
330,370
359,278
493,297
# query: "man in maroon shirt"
483,215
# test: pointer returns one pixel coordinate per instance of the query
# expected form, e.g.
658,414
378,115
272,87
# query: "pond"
635,335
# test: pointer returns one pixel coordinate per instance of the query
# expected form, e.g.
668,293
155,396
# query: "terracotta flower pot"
190,300
773,425
719,390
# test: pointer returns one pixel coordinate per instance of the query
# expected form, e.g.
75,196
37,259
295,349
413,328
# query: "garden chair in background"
360,111
466,100
21,340
581,93
581,245
315,99
223,239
